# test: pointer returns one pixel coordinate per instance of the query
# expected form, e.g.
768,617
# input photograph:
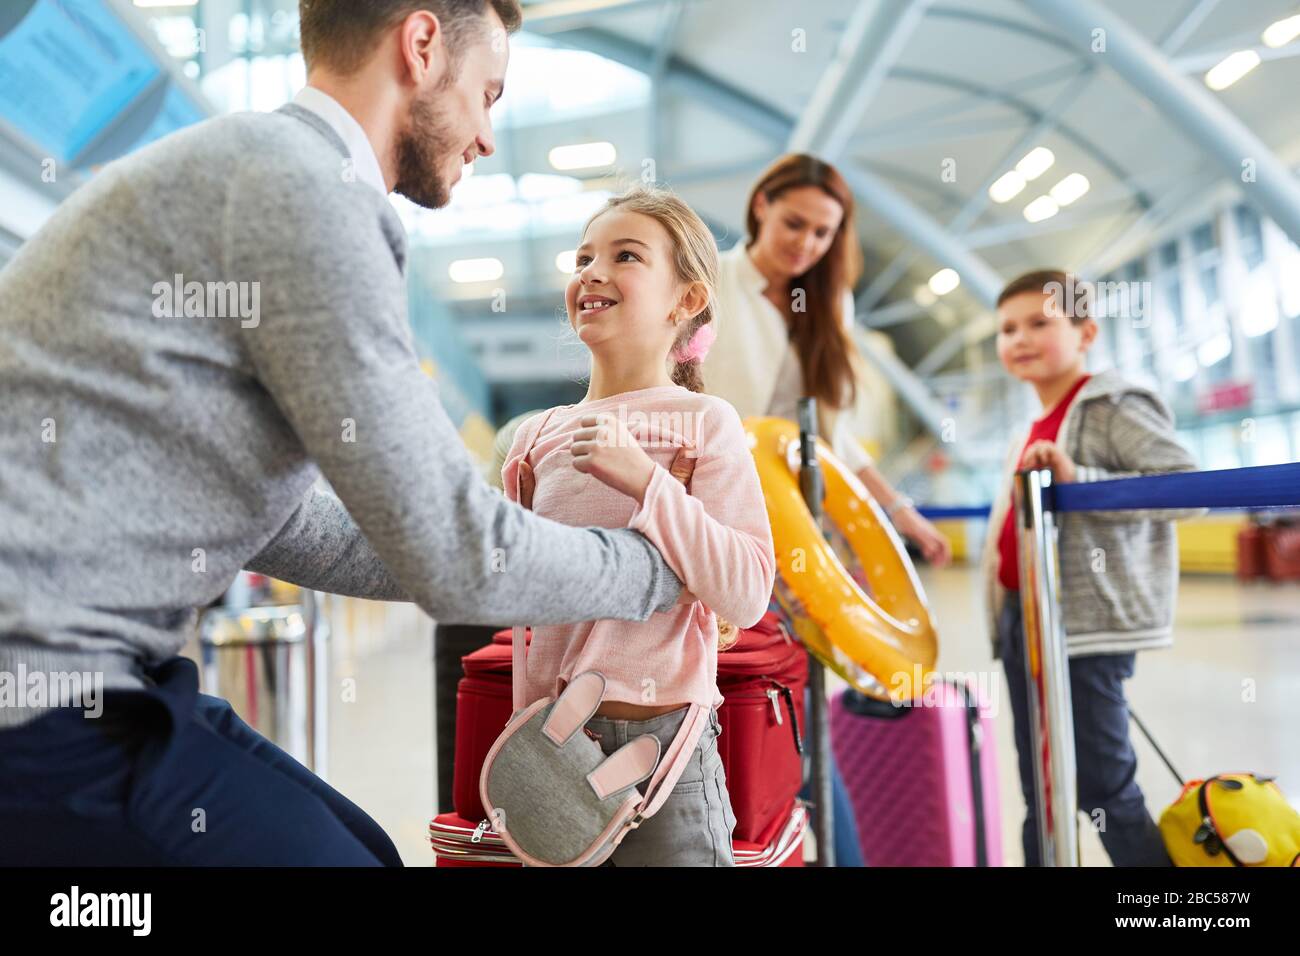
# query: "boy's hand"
603,447
1048,454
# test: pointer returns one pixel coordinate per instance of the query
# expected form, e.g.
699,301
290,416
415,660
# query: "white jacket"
744,364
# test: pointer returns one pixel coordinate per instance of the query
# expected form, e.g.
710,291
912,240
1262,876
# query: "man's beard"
423,147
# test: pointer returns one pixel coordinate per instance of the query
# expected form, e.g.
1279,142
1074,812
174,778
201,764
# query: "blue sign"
67,70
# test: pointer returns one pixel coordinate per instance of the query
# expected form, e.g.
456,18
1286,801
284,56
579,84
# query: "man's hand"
1048,454
604,448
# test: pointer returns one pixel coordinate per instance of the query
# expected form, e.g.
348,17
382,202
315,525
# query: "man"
195,338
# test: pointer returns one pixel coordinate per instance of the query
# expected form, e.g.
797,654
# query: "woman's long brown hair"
823,346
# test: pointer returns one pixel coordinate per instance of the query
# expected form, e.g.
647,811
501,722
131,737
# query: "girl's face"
1038,343
624,296
795,229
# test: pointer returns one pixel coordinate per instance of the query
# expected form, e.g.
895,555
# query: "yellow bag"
1232,819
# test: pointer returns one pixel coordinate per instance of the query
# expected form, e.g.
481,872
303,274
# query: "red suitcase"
762,680
1251,560
459,842
483,708
1282,551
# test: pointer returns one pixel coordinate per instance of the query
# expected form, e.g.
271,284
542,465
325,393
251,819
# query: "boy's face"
1036,342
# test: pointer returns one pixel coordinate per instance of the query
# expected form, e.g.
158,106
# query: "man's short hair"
340,34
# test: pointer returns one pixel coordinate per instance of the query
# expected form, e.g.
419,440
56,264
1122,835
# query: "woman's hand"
604,448
1048,454
913,525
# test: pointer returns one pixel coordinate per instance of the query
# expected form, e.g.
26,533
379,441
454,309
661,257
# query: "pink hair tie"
698,346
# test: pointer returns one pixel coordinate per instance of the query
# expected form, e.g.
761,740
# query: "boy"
1093,428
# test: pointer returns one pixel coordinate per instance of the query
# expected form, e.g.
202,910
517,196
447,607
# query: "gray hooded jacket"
1119,569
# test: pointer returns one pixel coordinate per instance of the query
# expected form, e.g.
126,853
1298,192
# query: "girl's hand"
1048,454
604,448
934,546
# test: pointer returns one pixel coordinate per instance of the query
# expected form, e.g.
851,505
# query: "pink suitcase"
923,780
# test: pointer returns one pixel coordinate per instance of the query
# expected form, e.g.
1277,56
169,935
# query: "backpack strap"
673,763
524,485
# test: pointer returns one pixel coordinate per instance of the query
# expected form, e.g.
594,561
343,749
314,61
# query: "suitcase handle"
856,702
788,696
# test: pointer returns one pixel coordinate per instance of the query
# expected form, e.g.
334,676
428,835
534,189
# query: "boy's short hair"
341,34
1054,282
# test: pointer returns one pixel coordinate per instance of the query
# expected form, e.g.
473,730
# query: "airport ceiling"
945,98
971,87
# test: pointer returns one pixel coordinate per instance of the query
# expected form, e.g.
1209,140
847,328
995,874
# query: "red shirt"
1044,429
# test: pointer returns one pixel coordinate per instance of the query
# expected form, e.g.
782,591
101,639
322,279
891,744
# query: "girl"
646,449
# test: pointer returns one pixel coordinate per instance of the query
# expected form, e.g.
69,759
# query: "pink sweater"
715,536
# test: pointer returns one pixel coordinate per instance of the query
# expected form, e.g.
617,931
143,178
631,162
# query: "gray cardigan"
1119,569
145,459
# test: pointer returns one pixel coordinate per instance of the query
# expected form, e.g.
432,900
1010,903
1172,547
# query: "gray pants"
693,826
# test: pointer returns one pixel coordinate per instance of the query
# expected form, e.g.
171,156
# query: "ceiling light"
1007,187
1230,69
1282,32
582,156
1044,207
944,281
476,270
1070,188
1036,162
567,261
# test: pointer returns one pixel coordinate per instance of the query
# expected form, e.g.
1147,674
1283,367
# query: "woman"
786,317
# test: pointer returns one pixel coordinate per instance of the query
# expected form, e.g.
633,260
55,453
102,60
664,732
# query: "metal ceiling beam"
1114,249
1087,142
872,43
1187,104
910,388
1177,38
934,133
980,199
968,101
896,313
1020,230
981,280
670,19
1015,231
1005,24
952,344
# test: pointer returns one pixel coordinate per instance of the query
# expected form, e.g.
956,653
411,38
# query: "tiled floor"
1225,697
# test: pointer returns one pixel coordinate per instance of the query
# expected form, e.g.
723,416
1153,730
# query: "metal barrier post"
810,484
270,662
1047,672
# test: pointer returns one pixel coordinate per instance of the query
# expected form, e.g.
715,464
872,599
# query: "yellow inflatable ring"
884,644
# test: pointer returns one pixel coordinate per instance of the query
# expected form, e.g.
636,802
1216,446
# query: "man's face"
449,124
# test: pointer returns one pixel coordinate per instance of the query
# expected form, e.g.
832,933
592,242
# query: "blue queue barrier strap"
941,514
1264,486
